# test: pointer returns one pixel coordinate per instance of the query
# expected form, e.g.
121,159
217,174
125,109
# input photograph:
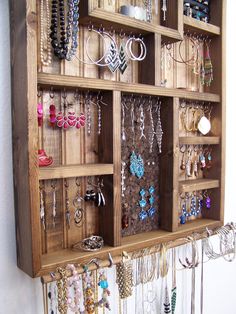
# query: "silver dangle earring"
67,203
159,132
189,164
148,7
99,119
42,207
77,202
123,188
152,133
54,202
123,135
88,113
142,122
164,9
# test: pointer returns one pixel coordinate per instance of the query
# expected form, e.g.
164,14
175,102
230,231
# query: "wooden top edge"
55,80
202,27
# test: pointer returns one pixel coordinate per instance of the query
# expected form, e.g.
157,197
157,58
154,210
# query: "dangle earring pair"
143,203
68,119
98,198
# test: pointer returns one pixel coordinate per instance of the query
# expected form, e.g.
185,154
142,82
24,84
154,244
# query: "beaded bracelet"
74,281
62,291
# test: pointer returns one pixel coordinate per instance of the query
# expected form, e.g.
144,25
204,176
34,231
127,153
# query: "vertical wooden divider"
110,152
25,134
169,161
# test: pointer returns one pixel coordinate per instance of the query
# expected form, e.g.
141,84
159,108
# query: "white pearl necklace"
45,47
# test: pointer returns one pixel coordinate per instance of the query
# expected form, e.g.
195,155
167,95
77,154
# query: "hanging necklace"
60,48
72,28
45,44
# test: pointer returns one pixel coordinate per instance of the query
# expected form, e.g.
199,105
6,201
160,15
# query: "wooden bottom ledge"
130,244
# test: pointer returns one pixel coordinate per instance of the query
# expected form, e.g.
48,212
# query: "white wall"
21,295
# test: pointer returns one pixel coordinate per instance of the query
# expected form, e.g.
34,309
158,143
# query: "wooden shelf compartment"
199,27
197,185
73,171
99,16
199,140
129,244
68,81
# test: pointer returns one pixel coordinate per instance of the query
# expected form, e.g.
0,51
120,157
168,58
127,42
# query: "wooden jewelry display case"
77,157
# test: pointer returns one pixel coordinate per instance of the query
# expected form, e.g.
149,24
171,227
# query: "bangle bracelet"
93,243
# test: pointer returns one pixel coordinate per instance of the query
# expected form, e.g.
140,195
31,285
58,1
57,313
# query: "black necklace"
60,48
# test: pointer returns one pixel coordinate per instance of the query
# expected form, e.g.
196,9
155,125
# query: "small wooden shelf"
199,140
129,244
197,185
100,16
98,84
200,27
75,171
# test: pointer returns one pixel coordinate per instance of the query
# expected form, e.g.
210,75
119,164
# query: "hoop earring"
128,48
105,56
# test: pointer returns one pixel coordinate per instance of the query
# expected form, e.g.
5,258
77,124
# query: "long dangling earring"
88,113
208,66
122,55
67,204
151,210
142,203
113,58
54,203
152,133
123,188
159,132
123,135
189,163
184,213
183,151
77,202
208,199
42,206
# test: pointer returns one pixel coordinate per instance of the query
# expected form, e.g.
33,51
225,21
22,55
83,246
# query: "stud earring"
142,203
151,210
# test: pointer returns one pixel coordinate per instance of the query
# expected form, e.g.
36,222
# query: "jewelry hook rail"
96,263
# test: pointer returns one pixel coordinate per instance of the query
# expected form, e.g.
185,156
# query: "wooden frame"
26,76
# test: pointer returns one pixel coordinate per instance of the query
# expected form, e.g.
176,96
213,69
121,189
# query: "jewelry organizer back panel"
140,137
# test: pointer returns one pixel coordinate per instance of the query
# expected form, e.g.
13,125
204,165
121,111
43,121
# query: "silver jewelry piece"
152,133
123,188
142,122
42,208
123,136
164,9
159,132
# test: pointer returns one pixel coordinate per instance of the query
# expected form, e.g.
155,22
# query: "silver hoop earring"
128,48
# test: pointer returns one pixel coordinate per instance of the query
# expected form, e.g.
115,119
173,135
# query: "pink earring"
40,114
52,115
80,121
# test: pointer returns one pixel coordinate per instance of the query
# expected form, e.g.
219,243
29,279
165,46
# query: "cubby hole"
75,218
139,113
198,205
86,142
